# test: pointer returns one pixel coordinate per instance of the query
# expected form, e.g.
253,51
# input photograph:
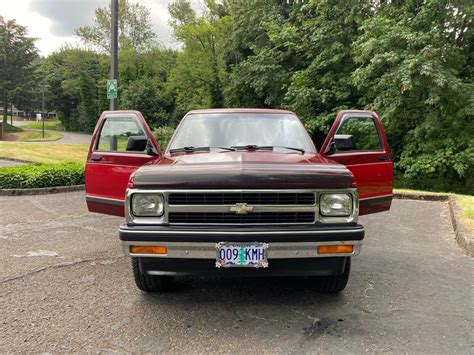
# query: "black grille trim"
232,218
231,198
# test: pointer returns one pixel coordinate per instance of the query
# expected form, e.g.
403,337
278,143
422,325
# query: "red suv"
239,192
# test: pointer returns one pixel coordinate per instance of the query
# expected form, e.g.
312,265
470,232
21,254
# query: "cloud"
67,15
159,17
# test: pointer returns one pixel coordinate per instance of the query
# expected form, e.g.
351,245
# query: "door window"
115,132
364,133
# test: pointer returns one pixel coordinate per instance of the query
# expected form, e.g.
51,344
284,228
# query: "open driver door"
121,143
358,141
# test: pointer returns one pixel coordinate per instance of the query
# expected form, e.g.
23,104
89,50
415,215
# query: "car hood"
243,170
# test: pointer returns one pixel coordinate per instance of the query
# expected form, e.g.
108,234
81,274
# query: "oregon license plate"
241,255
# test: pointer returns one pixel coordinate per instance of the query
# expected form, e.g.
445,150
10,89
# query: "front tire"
150,283
335,283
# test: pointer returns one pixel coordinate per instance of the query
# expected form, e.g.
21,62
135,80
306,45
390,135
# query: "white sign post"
39,117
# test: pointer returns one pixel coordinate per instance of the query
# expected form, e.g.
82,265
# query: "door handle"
96,158
383,157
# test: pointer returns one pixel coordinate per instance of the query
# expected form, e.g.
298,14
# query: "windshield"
241,129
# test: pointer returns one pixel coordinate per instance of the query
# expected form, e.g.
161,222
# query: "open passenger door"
357,140
121,143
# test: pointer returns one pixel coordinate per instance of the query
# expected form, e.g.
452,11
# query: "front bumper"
193,250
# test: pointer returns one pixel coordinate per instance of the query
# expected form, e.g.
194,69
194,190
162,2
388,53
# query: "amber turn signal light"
335,249
148,249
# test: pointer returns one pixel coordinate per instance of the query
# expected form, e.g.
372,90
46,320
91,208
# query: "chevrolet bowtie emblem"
241,208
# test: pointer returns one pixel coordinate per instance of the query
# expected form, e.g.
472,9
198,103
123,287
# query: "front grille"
232,218
251,198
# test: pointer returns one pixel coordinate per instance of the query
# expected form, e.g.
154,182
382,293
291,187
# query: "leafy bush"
10,128
41,175
163,135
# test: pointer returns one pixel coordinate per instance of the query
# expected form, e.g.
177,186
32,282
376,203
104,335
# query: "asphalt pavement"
65,286
68,137
5,163
73,138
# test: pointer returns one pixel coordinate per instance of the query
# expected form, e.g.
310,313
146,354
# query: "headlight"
147,205
335,205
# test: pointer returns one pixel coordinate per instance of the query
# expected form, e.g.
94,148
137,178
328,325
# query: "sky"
53,21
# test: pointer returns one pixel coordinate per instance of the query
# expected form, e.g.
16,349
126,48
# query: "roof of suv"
241,110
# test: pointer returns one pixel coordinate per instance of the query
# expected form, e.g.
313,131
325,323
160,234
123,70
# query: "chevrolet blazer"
240,192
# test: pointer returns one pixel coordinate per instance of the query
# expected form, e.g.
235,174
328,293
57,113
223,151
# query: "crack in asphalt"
58,266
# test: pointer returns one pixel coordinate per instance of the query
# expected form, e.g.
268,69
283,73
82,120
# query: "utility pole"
114,6
42,111
42,86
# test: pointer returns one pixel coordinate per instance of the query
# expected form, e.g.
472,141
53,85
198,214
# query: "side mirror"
344,142
341,142
137,143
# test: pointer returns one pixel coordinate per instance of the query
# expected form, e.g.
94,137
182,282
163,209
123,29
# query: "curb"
463,237
40,140
17,160
41,190
420,197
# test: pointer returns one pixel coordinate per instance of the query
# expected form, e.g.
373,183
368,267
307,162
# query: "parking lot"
65,286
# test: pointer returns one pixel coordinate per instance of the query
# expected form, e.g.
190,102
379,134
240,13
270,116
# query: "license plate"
241,255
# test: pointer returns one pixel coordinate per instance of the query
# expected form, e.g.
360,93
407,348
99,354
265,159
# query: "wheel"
150,283
335,283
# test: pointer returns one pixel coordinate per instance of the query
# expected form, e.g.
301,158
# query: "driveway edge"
41,190
464,238
17,160
420,197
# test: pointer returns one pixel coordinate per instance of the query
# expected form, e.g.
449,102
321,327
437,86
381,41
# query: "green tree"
17,55
148,95
197,79
143,77
88,102
73,77
260,64
323,33
415,68
135,27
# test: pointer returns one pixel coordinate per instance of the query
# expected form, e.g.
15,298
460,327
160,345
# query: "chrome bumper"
208,250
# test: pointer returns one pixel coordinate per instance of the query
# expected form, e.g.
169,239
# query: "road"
5,163
73,138
68,137
66,287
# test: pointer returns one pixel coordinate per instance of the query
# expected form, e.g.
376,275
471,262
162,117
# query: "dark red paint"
108,177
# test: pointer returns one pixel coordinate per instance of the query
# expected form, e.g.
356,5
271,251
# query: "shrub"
41,175
163,135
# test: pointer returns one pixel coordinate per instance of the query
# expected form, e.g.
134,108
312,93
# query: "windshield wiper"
265,147
191,149
291,148
252,147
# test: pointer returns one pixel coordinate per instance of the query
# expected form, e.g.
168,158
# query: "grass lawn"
15,118
35,135
467,210
52,125
44,152
9,128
